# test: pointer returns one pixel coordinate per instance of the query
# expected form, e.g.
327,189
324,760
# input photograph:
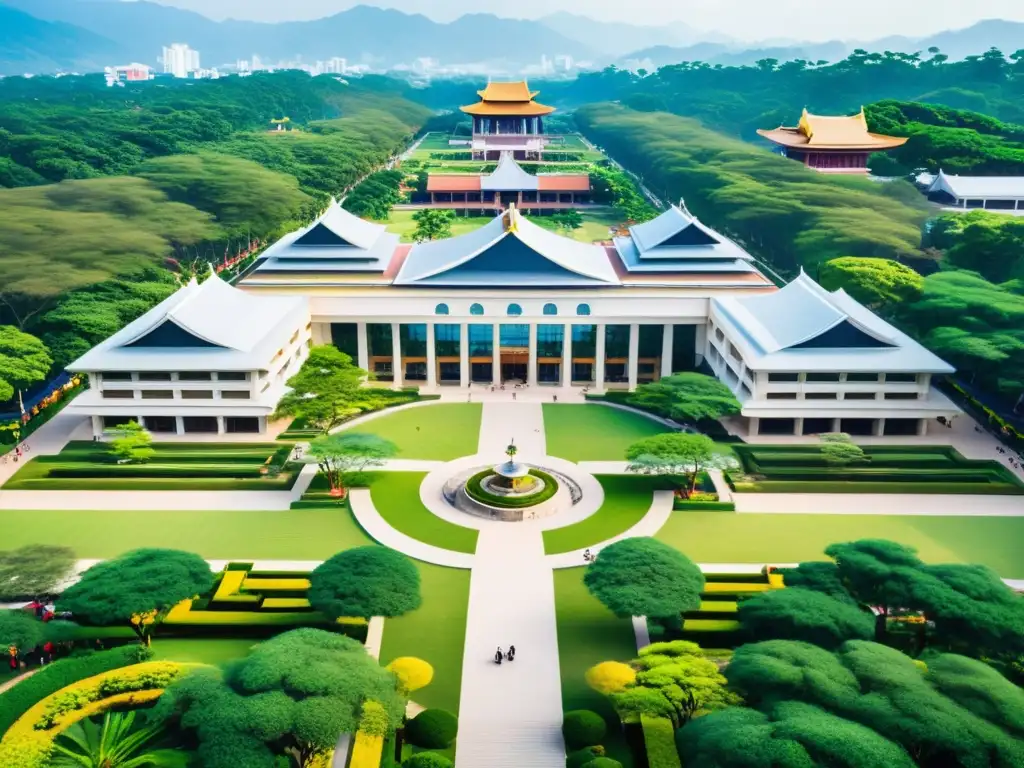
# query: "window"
550,309
118,394
820,396
901,378
154,376
233,376
199,394
859,396
514,309
901,395
476,309
582,309
195,376
862,377
235,394
829,377
158,394
116,375
441,309
293,338
773,377
781,395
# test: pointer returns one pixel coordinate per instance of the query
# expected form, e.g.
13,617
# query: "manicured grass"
627,498
721,537
217,651
588,633
396,495
592,432
596,222
440,432
307,534
435,632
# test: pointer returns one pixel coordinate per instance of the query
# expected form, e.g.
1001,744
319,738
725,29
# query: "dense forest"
116,195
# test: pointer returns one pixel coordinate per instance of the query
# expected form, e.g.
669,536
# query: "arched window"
515,309
550,309
441,309
583,309
476,309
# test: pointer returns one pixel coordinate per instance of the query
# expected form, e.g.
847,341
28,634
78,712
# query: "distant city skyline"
750,20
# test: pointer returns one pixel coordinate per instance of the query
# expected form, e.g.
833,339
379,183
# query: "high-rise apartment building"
180,60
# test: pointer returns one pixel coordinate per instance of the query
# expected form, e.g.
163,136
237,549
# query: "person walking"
511,653
556,398
498,656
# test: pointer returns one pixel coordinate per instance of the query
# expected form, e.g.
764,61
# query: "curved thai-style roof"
507,100
826,132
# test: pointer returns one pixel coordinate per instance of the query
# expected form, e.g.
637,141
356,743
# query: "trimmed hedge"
660,742
476,492
704,506
581,757
432,729
427,760
583,728
20,697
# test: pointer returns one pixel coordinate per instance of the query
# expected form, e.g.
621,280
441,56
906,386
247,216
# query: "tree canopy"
293,694
876,283
644,577
20,630
689,397
803,614
24,361
365,582
346,452
137,588
432,224
326,389
33,571
675,453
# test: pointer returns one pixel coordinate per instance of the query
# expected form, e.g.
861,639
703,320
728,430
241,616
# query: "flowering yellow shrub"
412,673
610,677
367,751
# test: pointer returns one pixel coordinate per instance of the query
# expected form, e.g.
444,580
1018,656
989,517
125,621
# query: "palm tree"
114,744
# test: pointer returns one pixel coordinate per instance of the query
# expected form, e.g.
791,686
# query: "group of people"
19,450
1014,459
500,656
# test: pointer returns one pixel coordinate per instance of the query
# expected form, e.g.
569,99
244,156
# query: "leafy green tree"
803,614
137,588
432,224
643,577
341,454
365,582
876,283
116,743
34,571
131,442
839,449
20,630
427,760
991,245
568,220
325,391
375,196
689,397
676,453
821,576
24,361
294,694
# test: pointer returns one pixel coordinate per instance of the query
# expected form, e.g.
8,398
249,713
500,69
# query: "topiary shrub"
581,757
432,729
603,762
428,760
582,728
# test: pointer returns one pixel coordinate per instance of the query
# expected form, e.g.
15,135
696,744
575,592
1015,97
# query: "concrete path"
925,504
502,423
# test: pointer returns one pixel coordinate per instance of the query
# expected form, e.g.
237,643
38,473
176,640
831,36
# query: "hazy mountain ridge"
30,44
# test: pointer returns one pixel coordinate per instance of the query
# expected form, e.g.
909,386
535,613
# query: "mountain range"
83,35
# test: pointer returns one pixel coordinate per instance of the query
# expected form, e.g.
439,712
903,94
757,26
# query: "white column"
922,427
879,427
837,425
599,359
97,426
565,374
396,354
179,425
798,425
754,425
701,343
319,335
362,347
220,425
496,354
634,355
464,365
531,365
431,357
666,349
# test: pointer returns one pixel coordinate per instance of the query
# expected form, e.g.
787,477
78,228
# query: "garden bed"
476,491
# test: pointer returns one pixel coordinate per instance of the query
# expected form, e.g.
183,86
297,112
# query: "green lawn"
595,224
441,432
203,650
588,633
593,432
396,495
307,534
436,632
627,498
725,537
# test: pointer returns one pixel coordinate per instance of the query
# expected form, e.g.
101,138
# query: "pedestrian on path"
513,395
498,656
511,653
556,398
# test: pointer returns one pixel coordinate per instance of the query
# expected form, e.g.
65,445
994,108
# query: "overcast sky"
746,19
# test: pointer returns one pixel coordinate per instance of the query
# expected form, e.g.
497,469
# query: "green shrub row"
112,471
681,505
17,699
282,482
660,742
476,491
825,486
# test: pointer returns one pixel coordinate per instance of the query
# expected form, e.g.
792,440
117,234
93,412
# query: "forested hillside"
117,195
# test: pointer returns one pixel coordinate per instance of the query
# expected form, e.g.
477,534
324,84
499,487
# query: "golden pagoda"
831,144
507,119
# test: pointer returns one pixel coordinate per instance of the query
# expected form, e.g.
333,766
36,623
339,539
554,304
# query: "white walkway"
924,504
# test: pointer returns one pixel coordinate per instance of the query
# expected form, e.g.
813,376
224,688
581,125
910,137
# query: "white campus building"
209,359
514,302
1003,194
